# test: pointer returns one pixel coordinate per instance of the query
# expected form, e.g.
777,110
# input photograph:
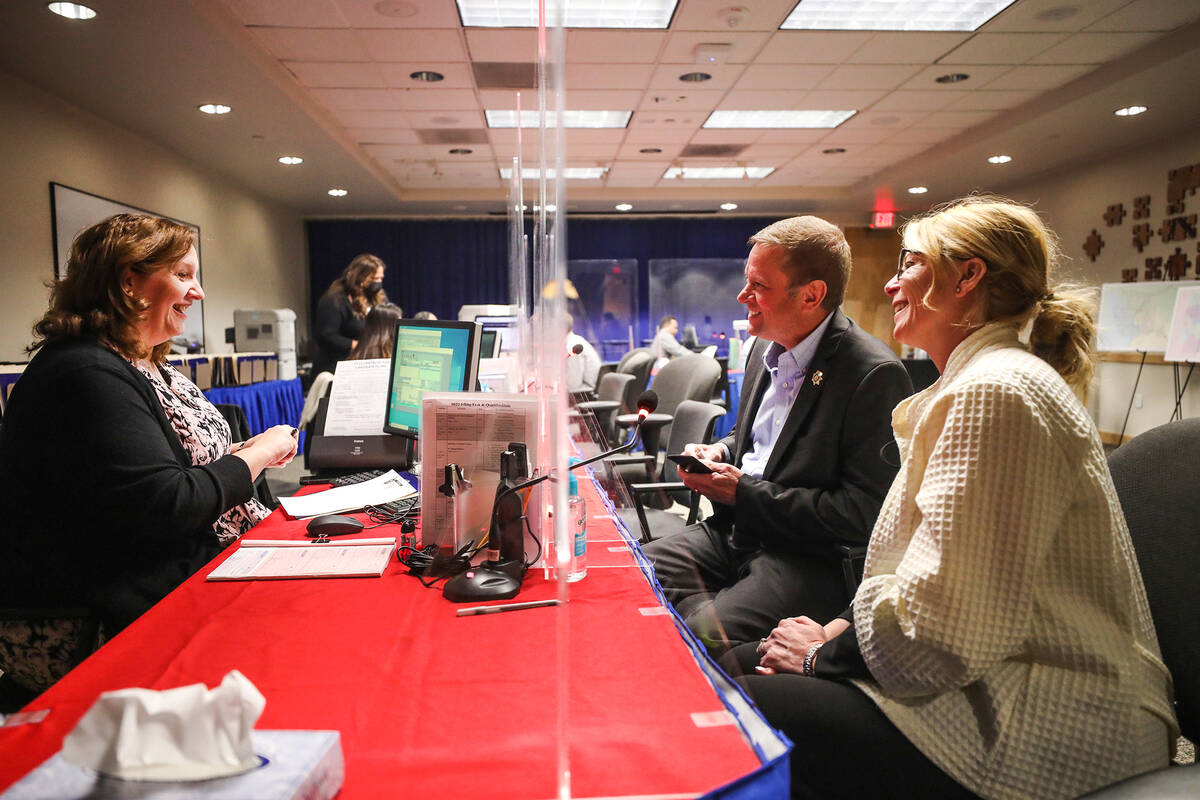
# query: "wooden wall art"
1141,207
1178,265
1093,245
1154,269
1114,215
1182,182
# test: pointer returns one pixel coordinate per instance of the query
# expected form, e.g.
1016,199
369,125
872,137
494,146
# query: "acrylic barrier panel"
606,311
702,294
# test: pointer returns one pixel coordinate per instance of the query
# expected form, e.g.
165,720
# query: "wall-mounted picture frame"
72,210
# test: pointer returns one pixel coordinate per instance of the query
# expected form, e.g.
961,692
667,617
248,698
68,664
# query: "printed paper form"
358,398
387,488
313,561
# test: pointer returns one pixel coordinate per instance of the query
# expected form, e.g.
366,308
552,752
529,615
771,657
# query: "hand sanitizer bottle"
576,531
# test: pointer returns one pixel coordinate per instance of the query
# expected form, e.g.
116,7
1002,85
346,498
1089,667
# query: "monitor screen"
509,330
487,344
435,355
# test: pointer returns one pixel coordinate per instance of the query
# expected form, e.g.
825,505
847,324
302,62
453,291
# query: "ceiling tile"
812,47
384,135
712,15
843,137
598,100
792,136
455,75
857,99
1050,15
501,45
1038,77
373,119
922,135
632,174
341,74
404,45
398,152
951,120
869,76
761,100
479,152
598,47
1003,48
631,151
663,102
436,99
984,100
312,44
288,13
893,120
980,75
462,118
363,14
907,47
578,136
666,76
681,46
783,76
357,99
725,136
1093,48
772,152
1149,15
904,100
612,76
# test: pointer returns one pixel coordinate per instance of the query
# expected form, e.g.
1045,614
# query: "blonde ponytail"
1063,331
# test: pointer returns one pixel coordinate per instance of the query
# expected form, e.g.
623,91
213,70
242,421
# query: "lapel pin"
817,377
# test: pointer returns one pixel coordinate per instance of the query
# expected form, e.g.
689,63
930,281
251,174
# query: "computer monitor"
430,355
489,344
509,330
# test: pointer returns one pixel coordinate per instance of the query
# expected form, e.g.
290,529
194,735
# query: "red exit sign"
883,219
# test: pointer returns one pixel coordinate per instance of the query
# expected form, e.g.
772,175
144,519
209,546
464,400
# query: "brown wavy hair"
91,300
378,338
350,283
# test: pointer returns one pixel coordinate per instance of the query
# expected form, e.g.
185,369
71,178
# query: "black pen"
476,610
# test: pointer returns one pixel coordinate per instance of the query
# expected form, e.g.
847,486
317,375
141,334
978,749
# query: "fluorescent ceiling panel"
570,173
892,15
578,13
777,119
718,173
571,119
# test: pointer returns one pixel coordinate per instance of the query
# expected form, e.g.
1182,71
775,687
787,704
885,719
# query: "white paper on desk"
358,398
387,488
314,561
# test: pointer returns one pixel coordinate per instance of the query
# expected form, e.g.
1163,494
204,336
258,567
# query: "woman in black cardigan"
118,479
338,324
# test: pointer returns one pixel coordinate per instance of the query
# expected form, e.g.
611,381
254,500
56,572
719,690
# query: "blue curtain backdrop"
439,265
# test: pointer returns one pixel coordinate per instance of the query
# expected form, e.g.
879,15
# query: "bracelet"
810,658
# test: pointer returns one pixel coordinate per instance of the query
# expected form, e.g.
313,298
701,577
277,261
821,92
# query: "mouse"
333,525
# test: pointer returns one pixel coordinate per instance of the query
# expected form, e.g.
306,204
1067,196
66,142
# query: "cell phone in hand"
690,464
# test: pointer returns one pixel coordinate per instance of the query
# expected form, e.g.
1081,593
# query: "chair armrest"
622,461
666,486
599,405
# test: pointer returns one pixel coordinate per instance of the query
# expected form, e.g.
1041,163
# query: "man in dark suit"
806,466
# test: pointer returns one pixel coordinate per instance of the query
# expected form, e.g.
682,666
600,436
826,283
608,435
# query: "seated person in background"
338,322
665,346
118,478
583,367
1000,644
378,338
425,315
803,469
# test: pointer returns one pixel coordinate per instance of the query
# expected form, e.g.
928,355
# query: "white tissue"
189,733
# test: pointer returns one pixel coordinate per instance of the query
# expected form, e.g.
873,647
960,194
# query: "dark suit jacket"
334,327
826,478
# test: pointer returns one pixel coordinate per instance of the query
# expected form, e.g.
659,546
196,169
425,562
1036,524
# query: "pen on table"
476,610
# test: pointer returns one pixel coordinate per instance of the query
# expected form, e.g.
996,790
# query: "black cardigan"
334,327
100,503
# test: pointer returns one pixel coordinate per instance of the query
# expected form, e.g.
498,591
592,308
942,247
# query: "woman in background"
118,479
378,338
1000,644
341,310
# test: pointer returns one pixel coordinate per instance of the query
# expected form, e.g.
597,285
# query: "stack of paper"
387,488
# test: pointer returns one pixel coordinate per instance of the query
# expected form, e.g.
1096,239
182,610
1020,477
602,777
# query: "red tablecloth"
429,704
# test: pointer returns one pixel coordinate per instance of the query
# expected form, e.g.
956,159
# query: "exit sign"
883,219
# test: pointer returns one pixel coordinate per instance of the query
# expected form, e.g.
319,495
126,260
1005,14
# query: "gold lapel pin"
817,377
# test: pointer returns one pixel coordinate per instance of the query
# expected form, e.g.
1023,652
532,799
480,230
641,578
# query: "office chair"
685,378
1151,474
638,363
610,397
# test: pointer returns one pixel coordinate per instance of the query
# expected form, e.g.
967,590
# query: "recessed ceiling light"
1131,111
728,206
893,15
426,75
695,77
1000,159
918,189
608,14
291,160
624,206
72,10
396,8
571,119
718,173
777,119
338,193
953,77
650,150
215,108
570,173
461,151
833,151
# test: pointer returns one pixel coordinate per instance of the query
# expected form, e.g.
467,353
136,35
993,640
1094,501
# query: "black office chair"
685,378
1152,476
638,363
239,427
610,395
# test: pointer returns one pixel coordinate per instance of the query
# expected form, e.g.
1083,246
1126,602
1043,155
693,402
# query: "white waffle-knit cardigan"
1002,614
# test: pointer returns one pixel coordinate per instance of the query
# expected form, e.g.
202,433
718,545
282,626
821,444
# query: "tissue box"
301,765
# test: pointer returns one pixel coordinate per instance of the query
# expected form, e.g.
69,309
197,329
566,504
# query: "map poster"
1183,343
1136,317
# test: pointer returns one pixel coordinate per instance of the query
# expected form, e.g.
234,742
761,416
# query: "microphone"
500,579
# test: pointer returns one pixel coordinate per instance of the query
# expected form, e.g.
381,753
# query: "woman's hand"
274,447
784,649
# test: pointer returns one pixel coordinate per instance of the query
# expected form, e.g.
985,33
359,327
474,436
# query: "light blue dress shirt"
786,370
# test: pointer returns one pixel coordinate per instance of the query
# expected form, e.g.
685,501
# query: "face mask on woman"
374,287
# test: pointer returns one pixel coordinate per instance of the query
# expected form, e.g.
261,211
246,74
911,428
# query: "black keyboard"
345,479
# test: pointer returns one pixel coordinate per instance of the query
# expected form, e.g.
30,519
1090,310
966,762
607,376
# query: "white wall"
1074,203
253,252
